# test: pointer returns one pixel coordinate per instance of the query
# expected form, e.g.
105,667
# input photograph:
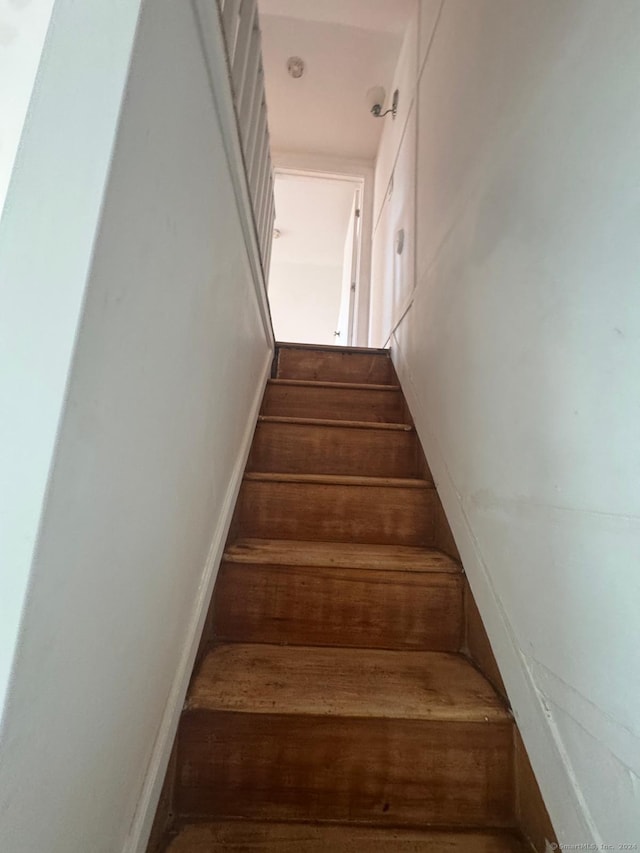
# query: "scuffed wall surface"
168,365
47,232
519,354
23,26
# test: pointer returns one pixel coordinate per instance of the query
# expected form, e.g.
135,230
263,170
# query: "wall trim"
140,829
548,757
312,162
214,50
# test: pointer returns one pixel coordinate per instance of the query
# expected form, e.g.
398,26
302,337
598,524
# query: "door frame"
354,172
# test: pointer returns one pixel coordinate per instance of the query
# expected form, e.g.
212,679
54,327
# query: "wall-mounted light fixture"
375,98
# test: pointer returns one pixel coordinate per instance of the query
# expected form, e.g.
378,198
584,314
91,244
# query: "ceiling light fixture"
375,99
295,67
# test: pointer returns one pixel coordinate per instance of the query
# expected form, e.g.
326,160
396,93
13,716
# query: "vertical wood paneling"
252,82
262,190
230,23
267,260
265,236
260,160
255,162
244,57
248,15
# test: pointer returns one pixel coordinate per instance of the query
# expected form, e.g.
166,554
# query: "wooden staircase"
332,709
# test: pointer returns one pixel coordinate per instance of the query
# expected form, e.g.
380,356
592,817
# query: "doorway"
315,259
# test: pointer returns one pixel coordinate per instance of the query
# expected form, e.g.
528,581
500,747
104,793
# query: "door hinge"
357,214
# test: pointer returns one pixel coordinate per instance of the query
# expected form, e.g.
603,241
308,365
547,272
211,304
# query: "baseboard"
140,829
567,809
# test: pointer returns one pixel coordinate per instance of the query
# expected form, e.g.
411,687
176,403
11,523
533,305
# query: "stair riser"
338,607
339,513
300,448
335,366
316,768
244,836
340,404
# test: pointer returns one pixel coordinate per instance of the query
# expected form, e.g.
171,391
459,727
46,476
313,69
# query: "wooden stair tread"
340,682
242,836
347,555
339,480
339,386
325,422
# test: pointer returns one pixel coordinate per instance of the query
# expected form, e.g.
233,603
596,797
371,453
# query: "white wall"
305,301
519,355
46,241
23,26
393,274
144,256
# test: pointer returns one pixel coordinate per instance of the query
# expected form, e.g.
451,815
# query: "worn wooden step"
297,445
380,737
347,555
332,364
265,595
371,683
334,400
243,836
337,508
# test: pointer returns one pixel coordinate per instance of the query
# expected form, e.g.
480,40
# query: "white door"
312,263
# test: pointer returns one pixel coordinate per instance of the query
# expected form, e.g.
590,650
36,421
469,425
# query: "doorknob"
336,334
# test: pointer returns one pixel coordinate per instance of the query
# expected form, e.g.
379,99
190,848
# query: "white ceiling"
312,215
348,47
385,16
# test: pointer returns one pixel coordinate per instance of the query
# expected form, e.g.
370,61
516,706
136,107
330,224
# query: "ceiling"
312,216
348,47
385,16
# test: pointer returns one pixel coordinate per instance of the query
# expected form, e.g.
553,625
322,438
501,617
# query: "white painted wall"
519,355
137,346
393,273
23,26
54,204
305,301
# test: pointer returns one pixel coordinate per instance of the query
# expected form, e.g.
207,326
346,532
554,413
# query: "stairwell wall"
517,344
138,354
23,27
